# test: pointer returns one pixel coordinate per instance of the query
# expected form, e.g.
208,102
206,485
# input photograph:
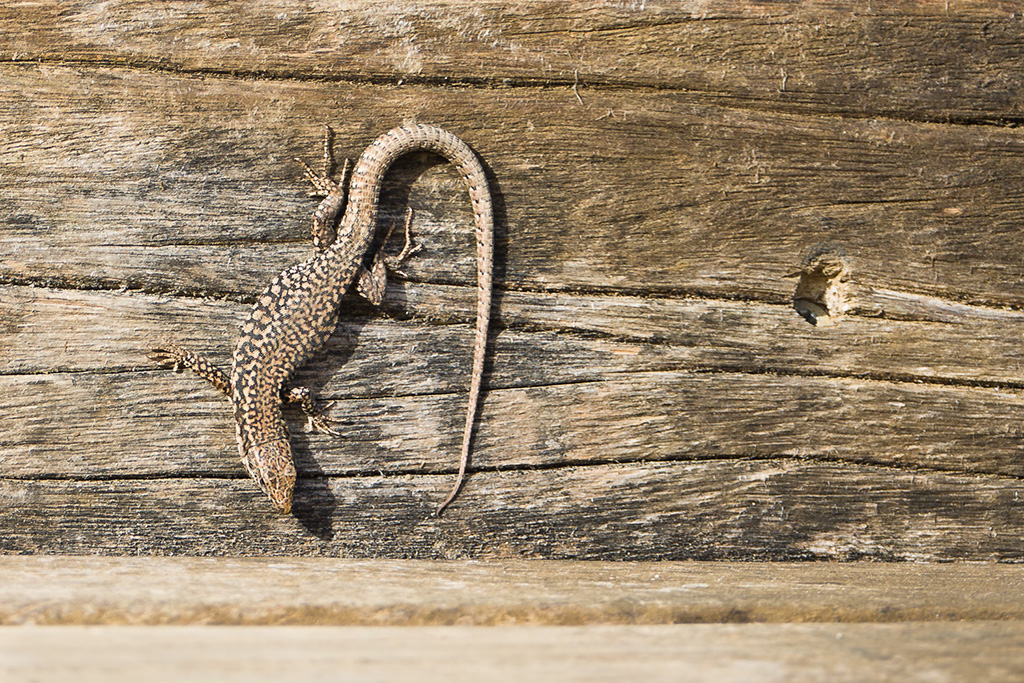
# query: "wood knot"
823,291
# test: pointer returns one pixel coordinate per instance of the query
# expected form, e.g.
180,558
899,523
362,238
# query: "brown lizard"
296,314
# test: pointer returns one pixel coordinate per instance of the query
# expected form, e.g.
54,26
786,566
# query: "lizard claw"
321,425
169,357
317,421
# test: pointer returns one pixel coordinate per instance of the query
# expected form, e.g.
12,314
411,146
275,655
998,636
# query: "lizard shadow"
315,503
396,191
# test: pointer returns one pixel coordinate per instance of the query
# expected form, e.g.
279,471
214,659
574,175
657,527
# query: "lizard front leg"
178,358
173,356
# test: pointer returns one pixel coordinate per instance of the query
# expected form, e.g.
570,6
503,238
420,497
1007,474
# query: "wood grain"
75,395
932,60
722,202
664,178
295,591
723,510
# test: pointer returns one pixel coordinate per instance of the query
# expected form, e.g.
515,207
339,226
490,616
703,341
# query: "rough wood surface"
665,177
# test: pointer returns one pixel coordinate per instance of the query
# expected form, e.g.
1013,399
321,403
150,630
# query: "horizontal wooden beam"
711,653
575,379
585,621
321,591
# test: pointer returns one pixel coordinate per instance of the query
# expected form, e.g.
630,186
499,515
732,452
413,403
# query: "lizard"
296,313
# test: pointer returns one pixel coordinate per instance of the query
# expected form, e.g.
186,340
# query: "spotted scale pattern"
297,312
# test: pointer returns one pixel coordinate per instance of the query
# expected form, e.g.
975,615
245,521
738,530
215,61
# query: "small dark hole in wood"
812,312
821,293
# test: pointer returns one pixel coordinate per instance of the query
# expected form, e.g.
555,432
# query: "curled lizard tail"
483,214
361,211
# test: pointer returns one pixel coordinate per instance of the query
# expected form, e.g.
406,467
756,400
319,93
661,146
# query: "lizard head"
270,464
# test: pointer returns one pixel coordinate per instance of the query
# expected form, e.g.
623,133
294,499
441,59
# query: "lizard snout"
270,464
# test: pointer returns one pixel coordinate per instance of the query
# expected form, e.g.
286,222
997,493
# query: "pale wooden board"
621,621
322,591
651,391
506,620
989,651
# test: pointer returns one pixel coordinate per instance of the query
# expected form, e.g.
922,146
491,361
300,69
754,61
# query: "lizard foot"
173,356
323,184
316,420
408,250
326,215
169,356
321,425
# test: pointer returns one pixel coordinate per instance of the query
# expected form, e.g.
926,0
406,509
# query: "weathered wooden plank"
713,653
692,380
774,509
61,590
110,425
614,209
549,338
164,182
101,591
921,60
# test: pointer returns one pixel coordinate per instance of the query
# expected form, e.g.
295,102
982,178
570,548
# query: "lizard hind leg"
372,282
326,214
